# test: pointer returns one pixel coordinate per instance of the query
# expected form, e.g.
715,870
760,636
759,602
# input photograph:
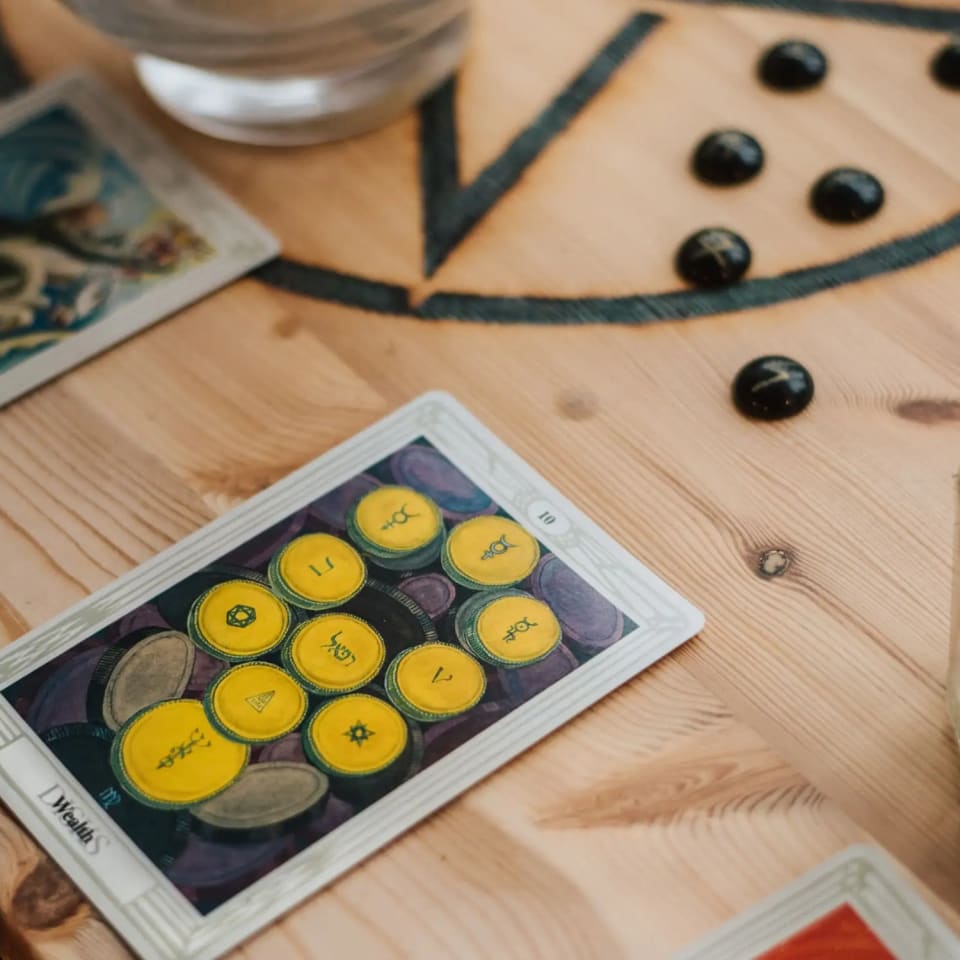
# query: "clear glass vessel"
286,71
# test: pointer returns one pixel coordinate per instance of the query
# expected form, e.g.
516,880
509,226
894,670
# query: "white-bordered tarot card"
237,722
856,905
103,230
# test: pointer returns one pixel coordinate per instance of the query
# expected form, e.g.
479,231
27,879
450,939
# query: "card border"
664,621
863,877
240,242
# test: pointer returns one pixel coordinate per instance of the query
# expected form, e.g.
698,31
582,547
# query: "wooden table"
810,713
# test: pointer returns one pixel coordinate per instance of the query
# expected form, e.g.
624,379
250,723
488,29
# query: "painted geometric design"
241,615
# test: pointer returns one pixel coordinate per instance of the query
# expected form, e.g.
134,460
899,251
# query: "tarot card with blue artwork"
103,230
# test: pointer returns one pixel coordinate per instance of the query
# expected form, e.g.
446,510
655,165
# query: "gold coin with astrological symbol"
488,552
509,629
170,755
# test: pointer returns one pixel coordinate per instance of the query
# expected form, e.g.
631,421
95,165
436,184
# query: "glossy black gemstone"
847,195
727,157
771,388
946,65
793,65
714,257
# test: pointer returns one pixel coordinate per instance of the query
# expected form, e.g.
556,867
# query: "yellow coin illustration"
335,653
256,702
356,736
517,629
490,552
435,681
397,519
170,755
318,570
238,620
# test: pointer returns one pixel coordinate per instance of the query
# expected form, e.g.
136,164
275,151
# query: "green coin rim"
286,592
119,770
410,709
408,561
335,773
196,634
453,571
363,542
226,731
286,655
465,627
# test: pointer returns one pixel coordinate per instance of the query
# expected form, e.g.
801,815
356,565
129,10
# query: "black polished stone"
771,388
727,157
945,66
847,195
793,65
714,257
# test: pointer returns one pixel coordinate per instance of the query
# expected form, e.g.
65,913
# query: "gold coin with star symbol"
356,736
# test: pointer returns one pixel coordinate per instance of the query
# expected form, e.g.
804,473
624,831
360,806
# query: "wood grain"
810,713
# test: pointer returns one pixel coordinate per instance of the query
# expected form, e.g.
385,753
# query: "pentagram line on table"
367,293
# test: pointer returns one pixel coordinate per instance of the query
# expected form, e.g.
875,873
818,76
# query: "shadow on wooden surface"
12,945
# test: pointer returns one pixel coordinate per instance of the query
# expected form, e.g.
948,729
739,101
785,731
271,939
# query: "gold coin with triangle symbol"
256,703
259,701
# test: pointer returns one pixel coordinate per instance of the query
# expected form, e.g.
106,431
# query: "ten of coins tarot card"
229,727
856,906
103,230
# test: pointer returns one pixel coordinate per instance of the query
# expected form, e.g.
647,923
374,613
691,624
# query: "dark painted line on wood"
323,284
687,304
451,211
870,11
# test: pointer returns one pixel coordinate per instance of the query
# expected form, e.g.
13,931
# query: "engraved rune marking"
399,517
197,739
439,679
780,374
498,548
521,626
359,733
714,245
339,651
320,573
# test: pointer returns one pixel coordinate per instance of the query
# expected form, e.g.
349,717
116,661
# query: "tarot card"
856,905
103,230
235,723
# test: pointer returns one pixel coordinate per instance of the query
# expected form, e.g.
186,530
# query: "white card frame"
137,899
861,876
